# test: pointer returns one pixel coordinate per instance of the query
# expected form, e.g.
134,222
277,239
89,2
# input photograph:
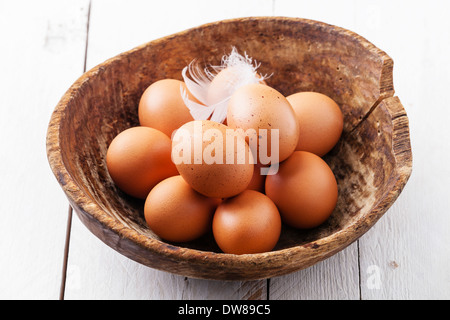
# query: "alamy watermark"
189,147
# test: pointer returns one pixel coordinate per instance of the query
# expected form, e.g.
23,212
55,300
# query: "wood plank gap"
70,213
359,270
66,254
87,36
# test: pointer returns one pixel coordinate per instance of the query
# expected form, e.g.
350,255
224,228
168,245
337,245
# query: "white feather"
197,110
199,85
200,80
220,111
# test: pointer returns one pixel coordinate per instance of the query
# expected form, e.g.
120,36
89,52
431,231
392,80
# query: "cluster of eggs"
194,181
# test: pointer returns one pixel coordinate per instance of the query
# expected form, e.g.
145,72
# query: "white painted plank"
119,25
408,251
339,13
333,279
41,54
406,254
95,270
337,277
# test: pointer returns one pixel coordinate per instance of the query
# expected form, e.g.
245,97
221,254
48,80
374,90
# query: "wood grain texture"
143,21
405,255
96,272
141,24
371,168
336,278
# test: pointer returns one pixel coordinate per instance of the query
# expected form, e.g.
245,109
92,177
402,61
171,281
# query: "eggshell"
258,106
222,85
162,107
320,121
258,181
175,212
228,80
208,163
138,158
304,190
247,223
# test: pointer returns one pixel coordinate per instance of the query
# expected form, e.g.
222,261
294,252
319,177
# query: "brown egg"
258,181
258,106
320,121
222,85
176,212
138,158
247,223
304,190
162,107
227,81
214,164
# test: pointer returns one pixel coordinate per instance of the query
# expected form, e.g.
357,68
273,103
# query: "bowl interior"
301,55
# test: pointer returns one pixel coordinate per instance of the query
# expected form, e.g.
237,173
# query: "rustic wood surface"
403,256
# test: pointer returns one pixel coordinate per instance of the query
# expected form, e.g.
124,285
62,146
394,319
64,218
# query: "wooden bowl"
372,161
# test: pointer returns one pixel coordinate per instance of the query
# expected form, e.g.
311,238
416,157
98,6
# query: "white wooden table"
46,45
